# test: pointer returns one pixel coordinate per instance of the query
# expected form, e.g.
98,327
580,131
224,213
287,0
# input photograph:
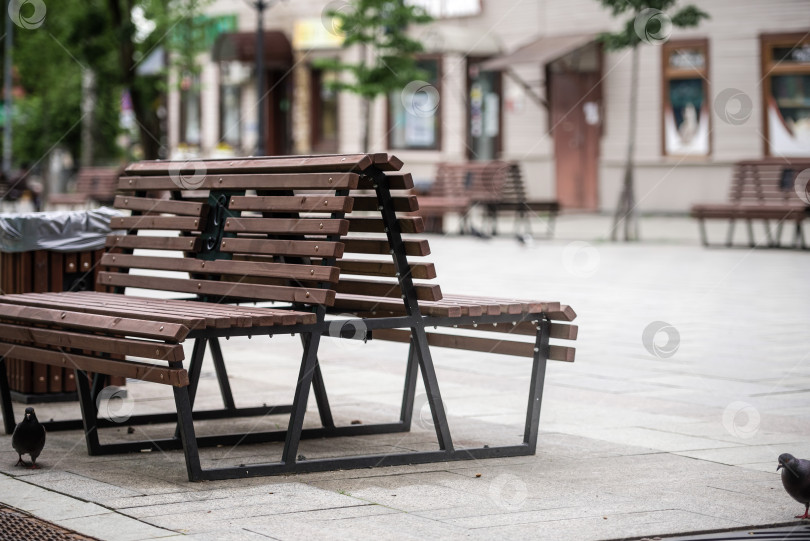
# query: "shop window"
685,92
786,91
448,8
231,77
414,113
190,122
324,127
483,112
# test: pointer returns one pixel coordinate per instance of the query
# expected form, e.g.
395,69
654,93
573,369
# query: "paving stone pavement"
639,437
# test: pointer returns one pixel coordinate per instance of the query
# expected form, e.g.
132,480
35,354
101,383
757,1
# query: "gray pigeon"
28,438
796,479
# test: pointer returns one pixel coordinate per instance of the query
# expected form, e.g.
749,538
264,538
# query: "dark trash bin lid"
69,231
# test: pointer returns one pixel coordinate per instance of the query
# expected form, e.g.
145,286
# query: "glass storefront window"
190,122
484,114
414,113
786,61
686,111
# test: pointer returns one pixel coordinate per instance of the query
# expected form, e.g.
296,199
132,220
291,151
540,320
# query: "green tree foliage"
388,54
649,23
99,35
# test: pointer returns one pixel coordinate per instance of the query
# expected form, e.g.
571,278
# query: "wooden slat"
375,225
281,226
102,344
191,244
526,328
90,322
424,292
362,245
156,222
566,313
396,181
270,164
301,248
425,271
358,303
474,343
128,369
224,289
250,181
59,301
406,203
144,204
246,268
526,306
293,203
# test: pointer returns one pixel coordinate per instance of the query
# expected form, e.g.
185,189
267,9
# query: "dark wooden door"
575,102
277,110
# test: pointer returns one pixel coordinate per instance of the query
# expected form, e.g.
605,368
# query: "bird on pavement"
796,479
28,438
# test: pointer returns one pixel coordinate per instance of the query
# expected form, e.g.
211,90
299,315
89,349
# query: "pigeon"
796,479
28,438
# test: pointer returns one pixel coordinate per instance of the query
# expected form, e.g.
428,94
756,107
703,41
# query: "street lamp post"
260,6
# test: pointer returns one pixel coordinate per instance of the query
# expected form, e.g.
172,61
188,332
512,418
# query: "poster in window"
686,120
789,115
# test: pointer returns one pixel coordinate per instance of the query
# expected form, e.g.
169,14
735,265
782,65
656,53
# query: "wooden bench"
760,190
497,186
273,229
93,185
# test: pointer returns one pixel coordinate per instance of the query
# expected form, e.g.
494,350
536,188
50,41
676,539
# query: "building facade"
524,81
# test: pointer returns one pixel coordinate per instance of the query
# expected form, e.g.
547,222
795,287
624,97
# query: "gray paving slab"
632,443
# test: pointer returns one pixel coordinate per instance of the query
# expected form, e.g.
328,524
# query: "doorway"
277,124
575,103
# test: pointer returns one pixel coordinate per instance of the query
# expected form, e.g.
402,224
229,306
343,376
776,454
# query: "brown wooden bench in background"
497,186
761,190
93,185
289,243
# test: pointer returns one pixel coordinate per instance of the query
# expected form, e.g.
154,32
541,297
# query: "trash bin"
50,251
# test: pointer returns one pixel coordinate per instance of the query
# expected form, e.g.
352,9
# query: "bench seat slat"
287,226
101,344
277,164
396,181
293,203
360,303
362,245
375,225
474,343
369,203
145,204
424,292
182,223
423,271
133,242
222,289
255,181
526,328
118,306
260,316
177,377
302,248
247,268
121,326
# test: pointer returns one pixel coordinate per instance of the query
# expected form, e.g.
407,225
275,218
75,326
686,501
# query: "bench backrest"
274,229
98,183
484,181
767,181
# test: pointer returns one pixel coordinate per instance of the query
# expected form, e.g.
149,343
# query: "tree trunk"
88,109
368,114
625,214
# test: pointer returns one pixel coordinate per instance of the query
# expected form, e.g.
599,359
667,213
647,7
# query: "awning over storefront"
467,40
241,46
541,51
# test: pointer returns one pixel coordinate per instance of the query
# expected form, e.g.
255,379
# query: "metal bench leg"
5,396
222,374
750,226
195,367
319,390
308,364
186,425
552,217
768,236
778,238
730,235
89,413
541,353
411,373
704,238
434,396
